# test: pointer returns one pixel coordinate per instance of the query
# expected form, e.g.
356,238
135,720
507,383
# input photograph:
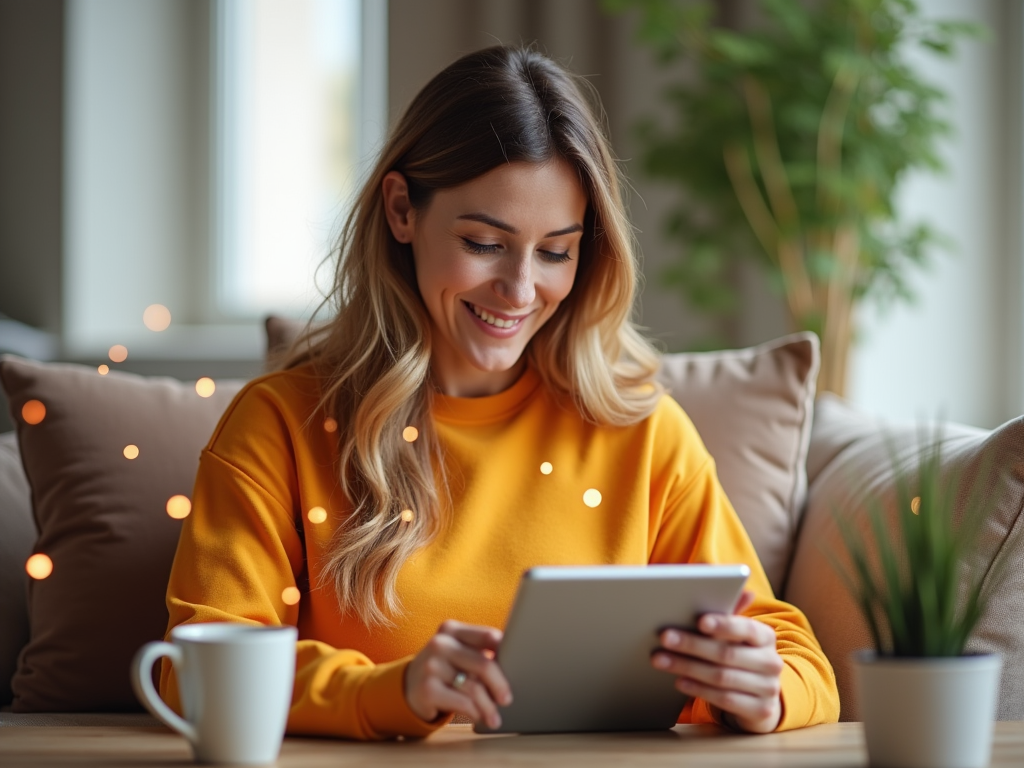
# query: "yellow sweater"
270,461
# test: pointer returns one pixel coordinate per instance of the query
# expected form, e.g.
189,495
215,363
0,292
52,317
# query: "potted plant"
924,702
789,131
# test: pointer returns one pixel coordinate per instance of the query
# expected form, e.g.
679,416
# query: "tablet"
578,643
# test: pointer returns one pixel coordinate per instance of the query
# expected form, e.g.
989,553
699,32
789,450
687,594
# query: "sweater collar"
481,410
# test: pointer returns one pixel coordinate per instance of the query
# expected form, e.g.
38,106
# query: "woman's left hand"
732,664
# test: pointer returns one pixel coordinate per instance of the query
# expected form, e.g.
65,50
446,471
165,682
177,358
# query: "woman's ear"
397,206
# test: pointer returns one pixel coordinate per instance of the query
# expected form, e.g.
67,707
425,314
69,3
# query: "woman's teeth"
490,319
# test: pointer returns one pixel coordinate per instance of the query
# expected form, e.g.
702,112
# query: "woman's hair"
498,105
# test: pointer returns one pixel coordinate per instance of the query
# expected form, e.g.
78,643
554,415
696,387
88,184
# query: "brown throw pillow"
851,463
102,521
281,332
753,409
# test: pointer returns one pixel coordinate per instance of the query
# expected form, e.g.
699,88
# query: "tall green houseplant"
787,141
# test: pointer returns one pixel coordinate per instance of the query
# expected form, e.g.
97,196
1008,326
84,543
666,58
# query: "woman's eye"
556,257
475,247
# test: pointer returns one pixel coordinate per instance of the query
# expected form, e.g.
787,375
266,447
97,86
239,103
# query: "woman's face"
494,258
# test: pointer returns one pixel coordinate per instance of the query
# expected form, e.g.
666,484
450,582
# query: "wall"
958,351
31,155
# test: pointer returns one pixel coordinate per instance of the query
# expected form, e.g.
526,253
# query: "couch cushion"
102,521
852,463
753,409
17,535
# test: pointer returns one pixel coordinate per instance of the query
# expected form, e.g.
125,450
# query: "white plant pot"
927,712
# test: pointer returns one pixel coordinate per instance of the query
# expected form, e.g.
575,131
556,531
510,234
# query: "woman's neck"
456,378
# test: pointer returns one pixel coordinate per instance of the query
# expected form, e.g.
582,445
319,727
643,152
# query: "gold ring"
459,681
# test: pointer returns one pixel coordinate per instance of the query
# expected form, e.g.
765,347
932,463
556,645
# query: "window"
211,149
287,146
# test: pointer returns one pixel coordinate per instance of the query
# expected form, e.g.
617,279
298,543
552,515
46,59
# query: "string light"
330,425
205,387
103,369
179,507
131,452
118,353
317,515
592,497
39,566
33,412
157,317
406,515
915,505
546,468
291,595
409,434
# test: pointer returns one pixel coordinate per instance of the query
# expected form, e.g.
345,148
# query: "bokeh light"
103,369
39,566
290,595
33,412
131,451
330,424
592,497
546,468
205,387
179,507
157,317
915,505
407,515
118,353
409,434
317,515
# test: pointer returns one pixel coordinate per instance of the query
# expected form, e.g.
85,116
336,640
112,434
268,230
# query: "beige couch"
788,462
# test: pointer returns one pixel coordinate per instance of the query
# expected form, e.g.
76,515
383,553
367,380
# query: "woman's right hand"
434,685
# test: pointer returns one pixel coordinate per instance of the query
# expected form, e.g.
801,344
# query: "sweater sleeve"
694,522
240,549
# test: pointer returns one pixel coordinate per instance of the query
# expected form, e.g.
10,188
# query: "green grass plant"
910,575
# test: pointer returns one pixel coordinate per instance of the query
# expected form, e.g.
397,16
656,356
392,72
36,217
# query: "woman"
480,404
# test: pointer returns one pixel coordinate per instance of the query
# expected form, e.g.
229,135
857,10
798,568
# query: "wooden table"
686,746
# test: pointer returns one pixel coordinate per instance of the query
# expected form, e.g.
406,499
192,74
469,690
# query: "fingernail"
683,684
662,662
496,721
672,638
709,623
506,699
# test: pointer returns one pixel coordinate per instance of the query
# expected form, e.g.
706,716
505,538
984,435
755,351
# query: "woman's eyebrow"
490,221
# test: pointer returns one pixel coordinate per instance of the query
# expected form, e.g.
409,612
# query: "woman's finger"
484,669
760,659
473,635
745,601
481,698
444,698
717,676
755,713
736,629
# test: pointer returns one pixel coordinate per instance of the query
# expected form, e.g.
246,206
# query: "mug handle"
142,683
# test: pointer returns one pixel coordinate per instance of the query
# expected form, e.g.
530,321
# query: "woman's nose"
516,285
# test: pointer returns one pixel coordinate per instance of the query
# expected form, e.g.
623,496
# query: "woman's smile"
498,324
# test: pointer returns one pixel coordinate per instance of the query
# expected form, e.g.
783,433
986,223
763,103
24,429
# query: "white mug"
235,684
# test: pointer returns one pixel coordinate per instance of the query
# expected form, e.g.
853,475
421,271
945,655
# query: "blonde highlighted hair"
498,105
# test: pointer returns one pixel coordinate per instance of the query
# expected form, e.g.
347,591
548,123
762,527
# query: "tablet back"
578,643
